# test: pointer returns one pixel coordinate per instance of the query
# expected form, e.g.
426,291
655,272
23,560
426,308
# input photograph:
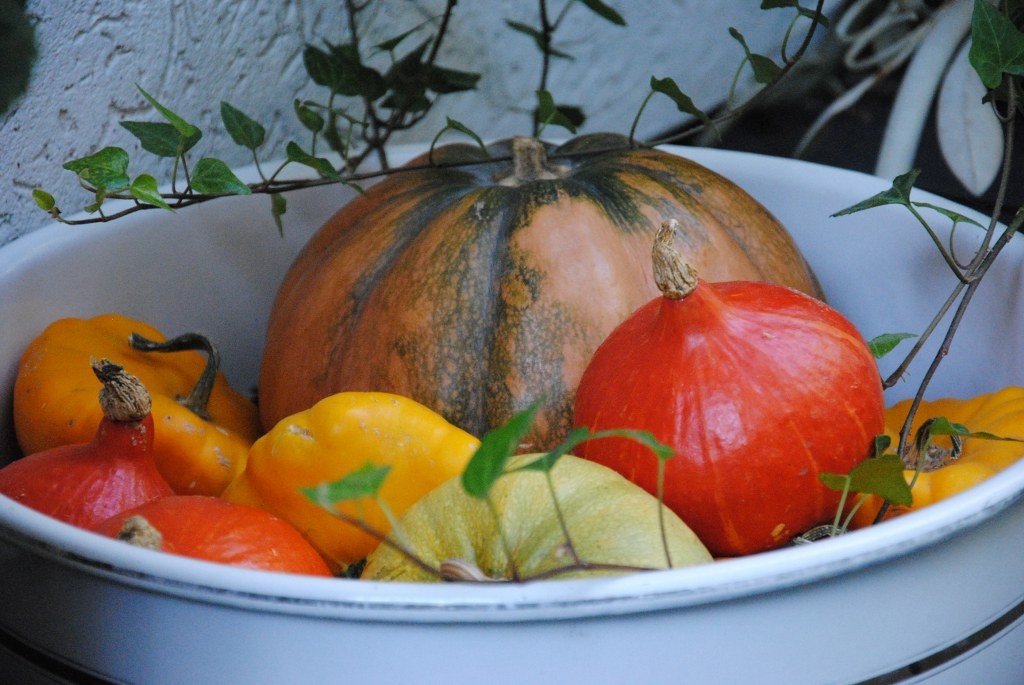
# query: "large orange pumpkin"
477,282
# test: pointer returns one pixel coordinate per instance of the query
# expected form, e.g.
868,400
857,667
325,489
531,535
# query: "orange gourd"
213,529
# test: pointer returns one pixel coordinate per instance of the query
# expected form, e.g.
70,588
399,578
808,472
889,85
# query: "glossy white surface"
840,611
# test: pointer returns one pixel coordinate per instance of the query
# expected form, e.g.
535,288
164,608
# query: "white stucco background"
192,54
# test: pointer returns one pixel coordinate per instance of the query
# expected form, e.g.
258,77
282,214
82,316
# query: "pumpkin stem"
675,277
457,570
139,532
198,399
529,163
123,398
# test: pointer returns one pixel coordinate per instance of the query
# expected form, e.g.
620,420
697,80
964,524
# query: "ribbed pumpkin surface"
478,285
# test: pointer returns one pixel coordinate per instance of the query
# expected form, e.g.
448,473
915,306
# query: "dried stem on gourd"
139,532
123,398
675,277
529,163
198,400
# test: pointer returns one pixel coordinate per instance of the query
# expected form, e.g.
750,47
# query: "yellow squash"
198,449
336,437
999,413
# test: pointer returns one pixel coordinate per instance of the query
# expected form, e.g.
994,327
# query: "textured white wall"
191,54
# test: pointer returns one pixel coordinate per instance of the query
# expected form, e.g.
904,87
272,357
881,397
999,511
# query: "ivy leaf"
43,200
453,125
243,130
940,425
365,481
885,343
405,83
548,112
214,177
144,189
955,217
340,69
107,169
897,194
444,80
666,86
321,165
392,43
185,129
882,476
538,38
997,46
496,447
308,117
278,207
765,70
580,435
604,11
159,138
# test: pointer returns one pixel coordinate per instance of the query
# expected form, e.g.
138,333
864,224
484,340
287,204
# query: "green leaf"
547,461
604,11
882,476
392,43
885,343
666,86
363,482
882,443
214,177
765,70
548,112
185,129
144,189
278,207
444,80
580,435
496,447
159,138
107,168
538,38
243,130
997,46
43,199
308,116
955,217
340,69
940,425
321,165
454,125
897,194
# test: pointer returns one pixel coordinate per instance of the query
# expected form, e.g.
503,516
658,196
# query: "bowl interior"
215,268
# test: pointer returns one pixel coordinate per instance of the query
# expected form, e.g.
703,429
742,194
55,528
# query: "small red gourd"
87,483
214,529
757,387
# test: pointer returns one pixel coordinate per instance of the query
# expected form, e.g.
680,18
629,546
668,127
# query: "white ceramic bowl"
934,596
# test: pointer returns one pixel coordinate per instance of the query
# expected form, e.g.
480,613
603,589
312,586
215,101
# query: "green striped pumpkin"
477,283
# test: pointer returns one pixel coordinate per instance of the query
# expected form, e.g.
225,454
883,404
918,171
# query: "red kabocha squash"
84,484
483,281
758,389
214,529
